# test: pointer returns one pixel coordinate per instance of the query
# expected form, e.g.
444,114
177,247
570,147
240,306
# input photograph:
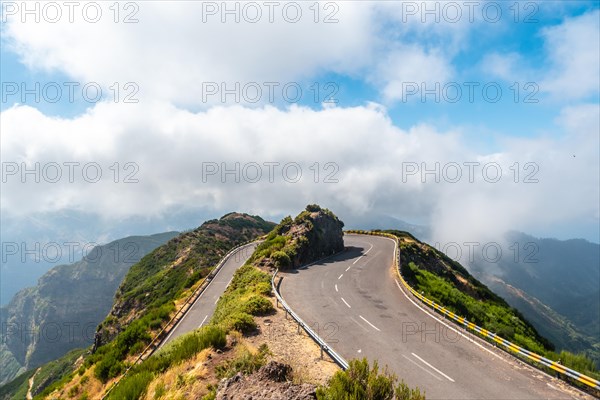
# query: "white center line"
336,289
355,261
340,277
433,368
348,268
346,303
448,326
363,318
202,323
423,368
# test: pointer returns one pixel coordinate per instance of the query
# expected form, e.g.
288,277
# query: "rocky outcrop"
315,233
270,382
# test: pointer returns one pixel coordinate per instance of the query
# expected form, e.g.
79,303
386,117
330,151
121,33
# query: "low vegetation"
315,233
448,283
55,373
364,382
148,296
135,383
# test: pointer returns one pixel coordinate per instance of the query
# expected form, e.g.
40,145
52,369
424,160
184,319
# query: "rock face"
270,382
61,313
325,238
315,233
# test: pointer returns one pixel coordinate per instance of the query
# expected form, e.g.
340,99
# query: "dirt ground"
293,348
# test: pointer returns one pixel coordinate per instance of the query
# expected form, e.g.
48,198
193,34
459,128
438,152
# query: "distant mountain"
152,285
556,286
61,313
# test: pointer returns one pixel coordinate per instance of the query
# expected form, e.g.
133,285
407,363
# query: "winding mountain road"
355,303
204,306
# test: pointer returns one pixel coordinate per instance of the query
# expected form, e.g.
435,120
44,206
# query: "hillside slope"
555,284
162,276
145,299
44,322
448,283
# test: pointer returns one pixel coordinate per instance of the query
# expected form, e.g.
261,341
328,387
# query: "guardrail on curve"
589,381
322,344
160,336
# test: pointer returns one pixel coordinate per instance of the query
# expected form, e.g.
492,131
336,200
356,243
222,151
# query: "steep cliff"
61,313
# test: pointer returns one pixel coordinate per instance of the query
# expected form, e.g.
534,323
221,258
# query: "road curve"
354,302
204,306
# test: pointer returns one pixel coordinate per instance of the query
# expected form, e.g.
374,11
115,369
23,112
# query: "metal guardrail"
322,344
511,347
161,335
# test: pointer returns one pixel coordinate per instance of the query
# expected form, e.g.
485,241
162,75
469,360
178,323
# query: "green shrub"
190,345
361,382
403,392
239,321
281,259
160,390
108,368
245,362
132,387
263,288
257,305
73,391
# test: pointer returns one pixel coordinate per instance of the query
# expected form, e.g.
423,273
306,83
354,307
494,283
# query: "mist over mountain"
555,285
62,311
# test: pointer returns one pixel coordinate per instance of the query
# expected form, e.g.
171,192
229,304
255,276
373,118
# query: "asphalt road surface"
354,302
204,306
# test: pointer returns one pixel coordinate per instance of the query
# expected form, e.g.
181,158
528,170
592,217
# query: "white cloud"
571,60
574,56
400,70
171,52
170,145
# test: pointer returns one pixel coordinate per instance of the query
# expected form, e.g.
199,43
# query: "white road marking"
340,277
202,323
336,289
445,324
217,300
355,261
359,324
198,298
359,350
348,268
363,318
228,283
423,368
433,368
346,303
552,386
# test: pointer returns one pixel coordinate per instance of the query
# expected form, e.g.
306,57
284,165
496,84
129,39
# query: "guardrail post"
321,352
298,329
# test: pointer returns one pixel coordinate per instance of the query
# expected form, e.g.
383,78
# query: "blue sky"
373,56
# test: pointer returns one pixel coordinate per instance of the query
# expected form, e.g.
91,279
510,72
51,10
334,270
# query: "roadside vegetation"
364,382
246,296
145,301
448,283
